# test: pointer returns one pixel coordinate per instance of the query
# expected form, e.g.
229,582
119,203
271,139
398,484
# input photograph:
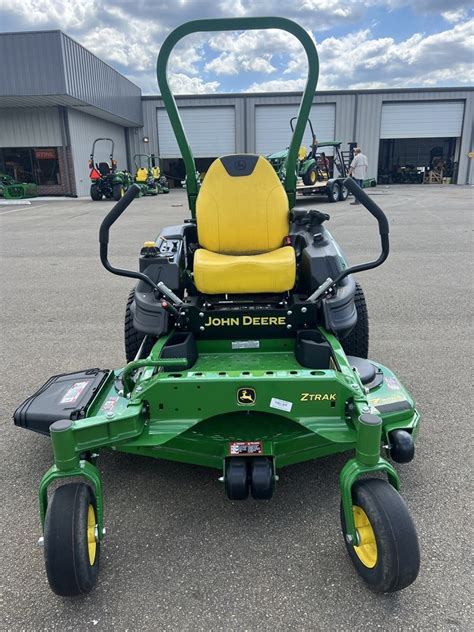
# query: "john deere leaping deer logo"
246,396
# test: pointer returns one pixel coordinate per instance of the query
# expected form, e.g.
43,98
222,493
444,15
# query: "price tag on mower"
245,448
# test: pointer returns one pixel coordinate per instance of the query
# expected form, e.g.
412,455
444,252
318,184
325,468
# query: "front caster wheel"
388,555
402,446
262,478
236,478
71,546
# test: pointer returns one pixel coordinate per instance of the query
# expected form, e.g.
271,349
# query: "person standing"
358,169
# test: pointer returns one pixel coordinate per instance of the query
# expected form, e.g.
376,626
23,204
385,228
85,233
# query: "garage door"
422,120
272,125
210,132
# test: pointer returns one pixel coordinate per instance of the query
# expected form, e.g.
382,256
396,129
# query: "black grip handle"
113,215
373,208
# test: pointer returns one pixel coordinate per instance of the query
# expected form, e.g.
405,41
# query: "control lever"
322,289
164,289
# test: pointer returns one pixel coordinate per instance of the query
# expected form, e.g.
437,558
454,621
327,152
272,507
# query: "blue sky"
361,43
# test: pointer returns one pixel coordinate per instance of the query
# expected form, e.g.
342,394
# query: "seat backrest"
242,207
142,175
104,168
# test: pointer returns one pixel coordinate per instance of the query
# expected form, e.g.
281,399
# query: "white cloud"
182,84
129,36
454,16
70,14
278,85
232,64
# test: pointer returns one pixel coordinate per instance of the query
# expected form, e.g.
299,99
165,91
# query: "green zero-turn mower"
148,175
317,173
12,190
246,342
106,181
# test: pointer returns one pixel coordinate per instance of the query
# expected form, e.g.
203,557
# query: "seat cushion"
271,272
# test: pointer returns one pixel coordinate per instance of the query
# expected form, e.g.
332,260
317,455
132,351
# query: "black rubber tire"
357,342
66,554
343,193
402,446
118,192
133,338
96,195
333,192
236,478
309,179
261,478
398,553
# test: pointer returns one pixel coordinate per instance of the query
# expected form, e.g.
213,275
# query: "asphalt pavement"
178,555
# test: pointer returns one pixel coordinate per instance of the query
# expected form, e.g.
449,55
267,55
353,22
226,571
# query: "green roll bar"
237,24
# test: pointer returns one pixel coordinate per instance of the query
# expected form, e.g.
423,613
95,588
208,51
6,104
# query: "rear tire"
357,342
388,558
118,192
236,478
343,192
96,195
333,192
71,548
133,338
311,176
262,478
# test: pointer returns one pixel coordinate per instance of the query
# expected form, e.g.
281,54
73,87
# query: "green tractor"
246,343
148,175
317,172
106,181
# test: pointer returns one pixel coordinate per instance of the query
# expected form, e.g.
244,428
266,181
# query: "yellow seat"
230,274
142,175
242,221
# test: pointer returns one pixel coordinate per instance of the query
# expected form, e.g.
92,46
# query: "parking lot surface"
178,555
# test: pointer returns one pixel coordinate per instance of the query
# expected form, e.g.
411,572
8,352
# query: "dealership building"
56,97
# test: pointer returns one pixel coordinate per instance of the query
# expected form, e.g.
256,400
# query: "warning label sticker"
74,392
245,448
109,404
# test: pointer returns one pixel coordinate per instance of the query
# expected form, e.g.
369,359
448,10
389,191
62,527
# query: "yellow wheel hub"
367,549
313,177
91,541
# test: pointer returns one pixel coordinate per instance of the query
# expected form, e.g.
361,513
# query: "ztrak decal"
236,321
318,397
246,396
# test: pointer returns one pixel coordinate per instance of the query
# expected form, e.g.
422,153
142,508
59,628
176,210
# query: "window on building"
31,164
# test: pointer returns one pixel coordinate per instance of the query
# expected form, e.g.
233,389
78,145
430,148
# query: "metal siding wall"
210,131
30,127
83,130
91,80
367,133
272,126
424,119
31,64
150,126
344,121
466,164
358,118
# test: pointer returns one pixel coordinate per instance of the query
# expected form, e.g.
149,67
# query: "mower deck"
232,398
